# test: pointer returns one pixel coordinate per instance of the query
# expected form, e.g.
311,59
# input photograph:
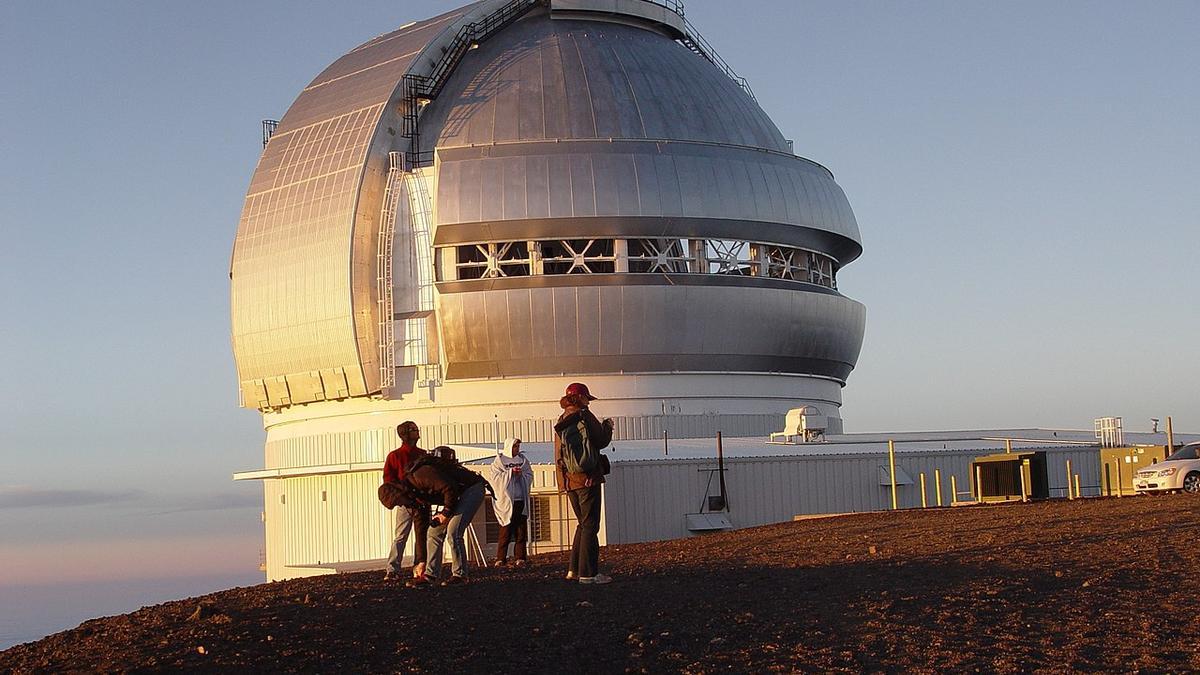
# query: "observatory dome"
455,219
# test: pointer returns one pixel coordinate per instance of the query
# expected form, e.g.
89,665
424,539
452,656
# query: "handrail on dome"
694,41
680,29
673,5
421,89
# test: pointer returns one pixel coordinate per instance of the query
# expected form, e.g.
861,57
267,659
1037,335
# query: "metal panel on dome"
294,272
663,328
638,178
595,80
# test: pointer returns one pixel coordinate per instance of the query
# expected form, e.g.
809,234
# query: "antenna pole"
892,469
721,471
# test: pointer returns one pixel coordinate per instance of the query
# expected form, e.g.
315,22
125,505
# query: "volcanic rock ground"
1094,584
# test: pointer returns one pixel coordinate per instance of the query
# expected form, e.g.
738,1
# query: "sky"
1024,175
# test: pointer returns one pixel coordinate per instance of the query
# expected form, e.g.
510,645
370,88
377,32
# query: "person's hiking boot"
520,563
499,562
454,580
598,579
570,576
391,576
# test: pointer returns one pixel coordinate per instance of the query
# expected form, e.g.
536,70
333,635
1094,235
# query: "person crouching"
415,506
461,492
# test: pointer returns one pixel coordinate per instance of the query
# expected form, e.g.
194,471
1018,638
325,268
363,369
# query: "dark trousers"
517,530
585,553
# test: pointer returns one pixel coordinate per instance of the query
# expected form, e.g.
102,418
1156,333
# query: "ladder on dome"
383,281
421,89
419,301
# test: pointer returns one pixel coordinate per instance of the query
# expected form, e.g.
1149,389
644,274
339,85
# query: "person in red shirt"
394,469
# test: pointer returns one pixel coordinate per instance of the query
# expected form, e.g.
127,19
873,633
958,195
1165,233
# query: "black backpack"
392,495
579,454
453,471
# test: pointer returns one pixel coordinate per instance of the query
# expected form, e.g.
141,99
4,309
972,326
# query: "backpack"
392,495
453,472
578,453
427,460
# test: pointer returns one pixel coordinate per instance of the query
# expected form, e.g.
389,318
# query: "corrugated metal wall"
324,520
333,519
370,445
647,501
336,519
624,428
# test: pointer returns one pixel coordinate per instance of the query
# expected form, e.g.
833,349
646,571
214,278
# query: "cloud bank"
221,501
14,497
22,497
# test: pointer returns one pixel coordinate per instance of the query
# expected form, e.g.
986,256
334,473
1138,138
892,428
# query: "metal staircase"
404,175
421,89
269,127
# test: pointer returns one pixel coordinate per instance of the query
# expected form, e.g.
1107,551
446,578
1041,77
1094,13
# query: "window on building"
491,529
493,260
539,518
786,263
578,256
821,270
662,255
658,255
725,256
512,259
472,261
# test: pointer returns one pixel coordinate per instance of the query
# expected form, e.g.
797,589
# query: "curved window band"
492,260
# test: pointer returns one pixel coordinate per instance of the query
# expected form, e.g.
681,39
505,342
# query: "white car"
1180,471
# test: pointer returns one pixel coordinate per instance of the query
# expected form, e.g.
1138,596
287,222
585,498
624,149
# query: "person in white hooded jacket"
511,477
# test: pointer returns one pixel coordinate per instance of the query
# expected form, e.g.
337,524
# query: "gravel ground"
1095,584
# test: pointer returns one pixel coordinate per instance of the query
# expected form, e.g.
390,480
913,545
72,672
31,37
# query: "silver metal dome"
603,199
601,131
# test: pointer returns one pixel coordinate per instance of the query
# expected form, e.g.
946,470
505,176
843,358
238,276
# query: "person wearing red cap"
579,435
